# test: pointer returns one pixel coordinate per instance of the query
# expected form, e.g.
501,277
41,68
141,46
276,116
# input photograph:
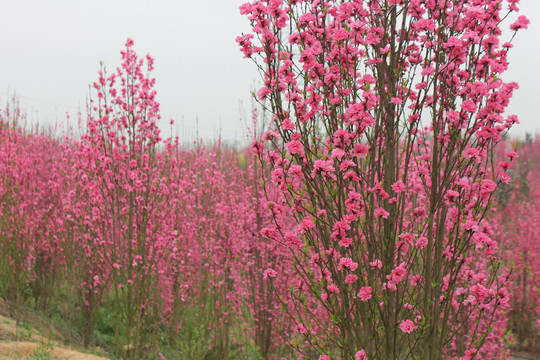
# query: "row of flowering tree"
163,239
385,116
166,236
356,227
29,203
517,216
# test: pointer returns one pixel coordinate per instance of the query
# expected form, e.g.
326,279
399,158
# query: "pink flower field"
380,212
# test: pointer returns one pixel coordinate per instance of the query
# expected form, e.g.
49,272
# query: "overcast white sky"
50,52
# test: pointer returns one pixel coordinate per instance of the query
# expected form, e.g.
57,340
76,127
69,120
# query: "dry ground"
28,343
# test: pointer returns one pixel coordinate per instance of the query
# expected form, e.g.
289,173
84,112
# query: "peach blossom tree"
385,115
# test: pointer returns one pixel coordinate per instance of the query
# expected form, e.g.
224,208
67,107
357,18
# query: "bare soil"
22,343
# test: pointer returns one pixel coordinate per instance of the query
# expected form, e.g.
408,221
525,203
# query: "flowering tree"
518,205
122,192
17,208
385,114
220,304
29,204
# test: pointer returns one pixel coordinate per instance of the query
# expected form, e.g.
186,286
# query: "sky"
51,51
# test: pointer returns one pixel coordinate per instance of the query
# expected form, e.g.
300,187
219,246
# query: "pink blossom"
407,326
301,329
246,45
380,212
257,147
396,101
480,292
333,288
338,154
468,354
421,243
504,297
360,150
504,165
521,23
324,167
307,223
345,242
397,274
263,92
416,279
468,106
360,355
347,263
398,186
287,124
269,273
295,147
472,153
269,135
365,293
488,186
511,155
451,196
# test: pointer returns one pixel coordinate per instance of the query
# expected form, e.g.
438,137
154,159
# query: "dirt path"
12,350
19,344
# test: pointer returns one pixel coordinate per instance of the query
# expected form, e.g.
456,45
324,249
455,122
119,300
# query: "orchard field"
382,211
